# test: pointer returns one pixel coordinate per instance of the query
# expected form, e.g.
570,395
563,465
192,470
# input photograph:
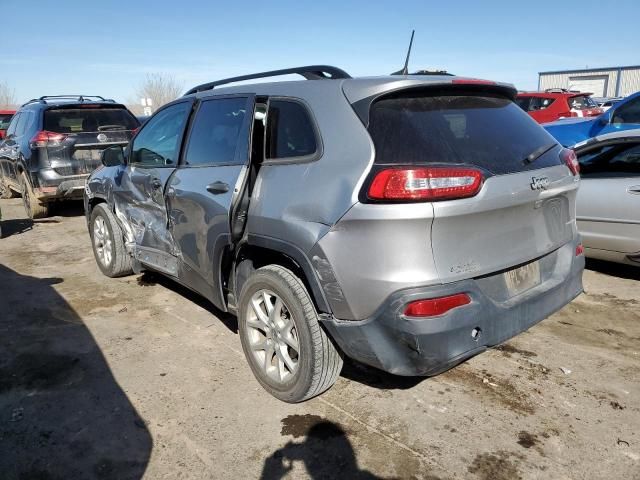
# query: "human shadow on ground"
325,451
62,413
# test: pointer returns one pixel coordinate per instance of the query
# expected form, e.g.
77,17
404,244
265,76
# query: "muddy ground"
139,378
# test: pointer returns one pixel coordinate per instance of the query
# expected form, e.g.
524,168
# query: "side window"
158,143
523,103
628,113
11,130
611,161
539,103
290,131
216,132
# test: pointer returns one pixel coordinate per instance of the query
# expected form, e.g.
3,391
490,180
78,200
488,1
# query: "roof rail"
79,98
310,72
432,72
561,90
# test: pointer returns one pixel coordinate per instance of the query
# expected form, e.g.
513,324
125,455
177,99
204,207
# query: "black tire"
32,206
319,362
120,262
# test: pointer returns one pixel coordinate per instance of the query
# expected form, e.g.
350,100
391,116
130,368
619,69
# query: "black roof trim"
310,72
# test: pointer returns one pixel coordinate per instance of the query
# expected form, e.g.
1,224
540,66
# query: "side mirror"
112,156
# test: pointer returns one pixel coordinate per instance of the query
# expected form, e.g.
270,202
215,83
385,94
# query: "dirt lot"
138,378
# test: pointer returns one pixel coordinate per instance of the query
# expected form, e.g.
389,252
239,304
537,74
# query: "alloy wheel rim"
272,335
102,241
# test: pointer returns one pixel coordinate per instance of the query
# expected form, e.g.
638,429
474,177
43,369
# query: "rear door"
152,159
78,133
608,206
206,186
523,210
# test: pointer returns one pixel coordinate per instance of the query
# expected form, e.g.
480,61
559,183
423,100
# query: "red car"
557,103
5,119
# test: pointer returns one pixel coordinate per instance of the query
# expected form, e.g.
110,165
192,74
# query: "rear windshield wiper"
537,153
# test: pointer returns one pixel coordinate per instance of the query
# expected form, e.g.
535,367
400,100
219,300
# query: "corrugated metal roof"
589,70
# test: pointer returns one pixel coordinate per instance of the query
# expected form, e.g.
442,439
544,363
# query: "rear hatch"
583,106
73,136
524,207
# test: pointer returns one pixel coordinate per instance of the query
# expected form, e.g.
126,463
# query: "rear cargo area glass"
487,131
68,120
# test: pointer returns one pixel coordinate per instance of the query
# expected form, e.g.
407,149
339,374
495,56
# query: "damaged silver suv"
409,222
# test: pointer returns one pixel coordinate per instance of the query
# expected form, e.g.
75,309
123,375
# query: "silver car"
409,222
608,205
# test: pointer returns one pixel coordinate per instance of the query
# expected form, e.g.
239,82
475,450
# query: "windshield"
78,120
581,102
5,120
488,131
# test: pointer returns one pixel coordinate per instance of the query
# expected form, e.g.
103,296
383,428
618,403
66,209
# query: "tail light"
433,307
569,157
579,250
44,139
425,184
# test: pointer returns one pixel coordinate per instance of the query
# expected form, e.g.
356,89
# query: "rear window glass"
581,102
72,120
487,131
290,131
5,120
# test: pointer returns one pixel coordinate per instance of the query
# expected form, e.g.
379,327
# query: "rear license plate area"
523,278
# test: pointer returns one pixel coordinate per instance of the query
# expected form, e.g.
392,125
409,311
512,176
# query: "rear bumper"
402,346
51,186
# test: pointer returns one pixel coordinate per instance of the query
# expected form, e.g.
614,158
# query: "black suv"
53,143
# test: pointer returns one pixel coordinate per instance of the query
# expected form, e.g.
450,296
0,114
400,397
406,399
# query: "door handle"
218,187
634,190
156,184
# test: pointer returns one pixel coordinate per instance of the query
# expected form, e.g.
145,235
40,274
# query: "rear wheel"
34,208
289,353
108,243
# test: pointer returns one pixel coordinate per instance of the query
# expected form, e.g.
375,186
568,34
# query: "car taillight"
425,184
579,250
569,157
433,307
44,138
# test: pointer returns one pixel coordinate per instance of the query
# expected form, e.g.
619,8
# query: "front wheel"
288,351
108,243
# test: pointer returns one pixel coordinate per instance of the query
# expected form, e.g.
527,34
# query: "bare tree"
160,88
7,96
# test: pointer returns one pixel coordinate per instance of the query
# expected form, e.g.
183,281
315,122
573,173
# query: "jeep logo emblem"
102,137
539,183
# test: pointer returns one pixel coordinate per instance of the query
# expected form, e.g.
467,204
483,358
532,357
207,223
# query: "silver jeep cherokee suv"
409,222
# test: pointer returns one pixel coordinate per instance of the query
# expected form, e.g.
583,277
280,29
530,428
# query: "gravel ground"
139,378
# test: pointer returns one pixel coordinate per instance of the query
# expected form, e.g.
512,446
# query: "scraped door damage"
177,218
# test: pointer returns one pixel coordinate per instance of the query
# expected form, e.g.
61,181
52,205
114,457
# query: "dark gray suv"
409,222
53,143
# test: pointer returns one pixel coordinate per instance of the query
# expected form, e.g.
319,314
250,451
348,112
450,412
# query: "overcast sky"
106,48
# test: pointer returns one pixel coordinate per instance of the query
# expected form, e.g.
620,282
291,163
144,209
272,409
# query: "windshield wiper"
537,153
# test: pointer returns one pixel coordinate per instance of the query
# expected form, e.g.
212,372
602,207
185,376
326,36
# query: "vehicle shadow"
62,413
152,278
70,208
629,272
372,377
326,453
16,226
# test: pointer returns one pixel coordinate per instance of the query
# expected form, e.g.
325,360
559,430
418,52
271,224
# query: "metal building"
602,82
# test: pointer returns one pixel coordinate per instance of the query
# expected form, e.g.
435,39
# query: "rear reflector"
579,250
416,184
436,306
44,138
569,157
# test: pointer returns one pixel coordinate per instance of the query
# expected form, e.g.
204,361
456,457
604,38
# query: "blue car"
624,115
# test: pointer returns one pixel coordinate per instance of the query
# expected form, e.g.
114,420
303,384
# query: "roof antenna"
405,70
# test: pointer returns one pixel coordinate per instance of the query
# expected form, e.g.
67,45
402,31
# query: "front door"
608,204
152,159
203,190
